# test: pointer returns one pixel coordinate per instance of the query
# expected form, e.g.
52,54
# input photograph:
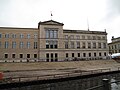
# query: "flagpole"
51,14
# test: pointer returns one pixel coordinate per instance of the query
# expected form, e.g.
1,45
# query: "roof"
50,22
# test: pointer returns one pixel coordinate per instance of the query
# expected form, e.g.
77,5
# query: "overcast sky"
101,14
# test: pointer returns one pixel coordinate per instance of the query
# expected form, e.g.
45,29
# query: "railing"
54,76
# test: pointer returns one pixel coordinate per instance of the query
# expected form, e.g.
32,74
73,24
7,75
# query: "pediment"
51,22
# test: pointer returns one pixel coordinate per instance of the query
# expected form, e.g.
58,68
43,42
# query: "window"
99,45
66,54
99,38
35,36
13,55
83,37
6,35
83,44
94,38
71,37
35,55
28,45
51,57
6,55
47,44
28,55
0,35
100,54
56,57
66,45
77,37
35,45
51,44
21,44
13,44
55,44
78,54
6,44
66,36
105,54
104,45
13,35
21,35
89,45
94,45
72,54
84,54
47,57
28,36
51,33
21,55
88,37
89,54
95,54
78,44
72,44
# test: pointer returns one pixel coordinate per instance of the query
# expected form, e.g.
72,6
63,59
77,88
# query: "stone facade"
50,42
114,46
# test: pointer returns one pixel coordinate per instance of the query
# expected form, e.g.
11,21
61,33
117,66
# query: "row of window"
85,54
51,57
84,37
51,33
21,45
77,44
20,56
17,35
117,46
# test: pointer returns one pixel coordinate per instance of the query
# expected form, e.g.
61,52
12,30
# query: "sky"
75,14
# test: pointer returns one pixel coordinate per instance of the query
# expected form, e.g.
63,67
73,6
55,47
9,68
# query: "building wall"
55,52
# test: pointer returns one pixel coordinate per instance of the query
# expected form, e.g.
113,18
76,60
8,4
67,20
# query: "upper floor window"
51,44
51,33
21,44
28,36
78,37
6,44
35,45
99,38
21,35
13,35
35,35
104,45
0,35
83,45
89,45
6,35
99,45
71,37
66,36
94,38
83,37
13,44
94,45
66,45
28,45
78,44
72,44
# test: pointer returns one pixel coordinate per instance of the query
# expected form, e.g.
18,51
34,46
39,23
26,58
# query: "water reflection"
79,84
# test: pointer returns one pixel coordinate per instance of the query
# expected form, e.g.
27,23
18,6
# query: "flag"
51,14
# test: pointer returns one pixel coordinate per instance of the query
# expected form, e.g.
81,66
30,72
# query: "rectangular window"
84,54
105,54
6,44
95,54
94,38
6,55
72,44
78,44
35,45
100,54
99,45
78,54
47,57
47,44
51,44
35,36
13,55
21,55
104,45
83,44
66,54
89,54
94,45
51,33
77,37
51,57
89,45
6,35
0,35
35,55
28,55
28,45
28,36
83,37
13,44
55,34
72,54
47,34
13,35
21,44
21,35
72,37
66,36
66,45
56,57
55,44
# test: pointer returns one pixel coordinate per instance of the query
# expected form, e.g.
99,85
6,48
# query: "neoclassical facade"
114,46
50,42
